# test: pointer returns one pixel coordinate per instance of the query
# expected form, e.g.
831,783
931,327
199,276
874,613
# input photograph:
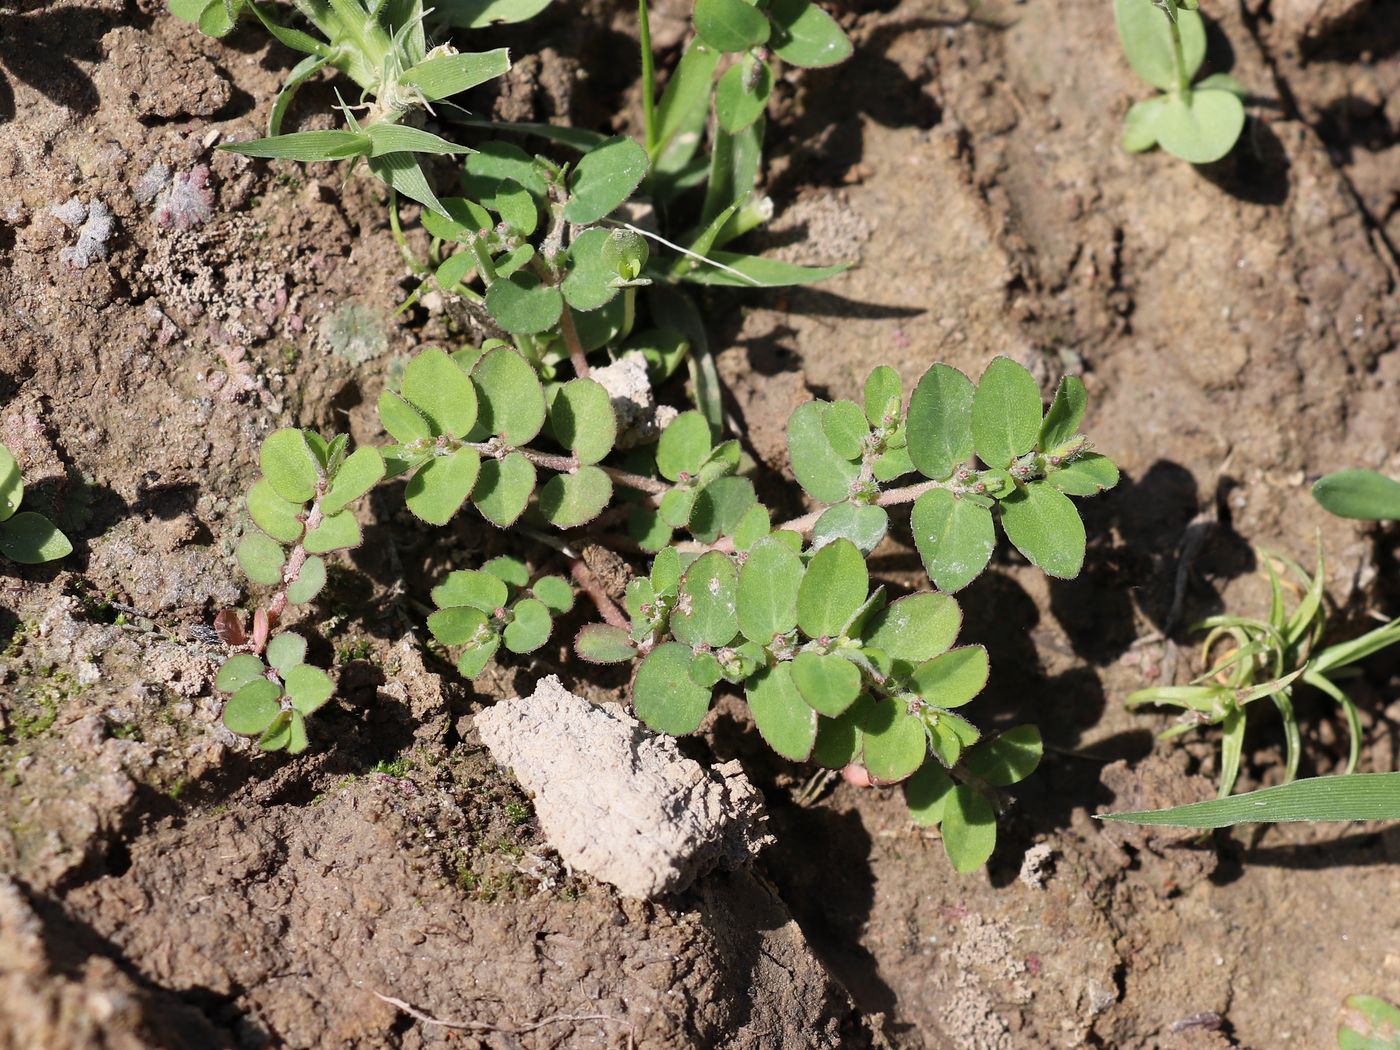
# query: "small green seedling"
300,507
1165,41
25,536
1377,1025
1363,495
381,45
481,610
271,700
1266,658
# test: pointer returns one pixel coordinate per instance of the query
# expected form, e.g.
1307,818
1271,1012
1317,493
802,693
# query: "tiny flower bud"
626,253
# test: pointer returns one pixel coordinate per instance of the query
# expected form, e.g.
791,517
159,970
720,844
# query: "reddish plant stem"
572,341
568,465
591,586
804,524
277,604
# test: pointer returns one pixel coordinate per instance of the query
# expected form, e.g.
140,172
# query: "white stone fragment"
618,801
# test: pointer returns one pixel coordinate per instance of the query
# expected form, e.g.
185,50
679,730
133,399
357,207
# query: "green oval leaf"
1146,35
571,500
439,389
742,94
784,719
1088,475
730,25
845,426
862,524
238,671
522,305
310,579
664,695
719,507
952,679
32,539
11,484
1065,414
512,400
706,612
581,417
475,658
1203,130
835,587
504,488
404,423
308,688
457,625
1005,413
289,465
829,683
592,280
969,828
1008,758
954,537
915,628
768,586
939,427
277,517
286,651
253,707
530,627
684,444
360,472
605,178
442,485
822,471
336,532
262,558
1045,526
926,793
805,35
1363,495
893,742
602,643
472,588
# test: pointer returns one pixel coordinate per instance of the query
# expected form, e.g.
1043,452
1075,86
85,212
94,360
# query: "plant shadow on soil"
43,49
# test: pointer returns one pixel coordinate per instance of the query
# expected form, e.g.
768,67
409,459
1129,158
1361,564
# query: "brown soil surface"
163,885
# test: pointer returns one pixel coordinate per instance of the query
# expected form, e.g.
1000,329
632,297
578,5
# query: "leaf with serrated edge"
436,385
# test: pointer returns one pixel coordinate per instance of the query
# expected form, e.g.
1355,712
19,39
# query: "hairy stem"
572,341
590,585
568,465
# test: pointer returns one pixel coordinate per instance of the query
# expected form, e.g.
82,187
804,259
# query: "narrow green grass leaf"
1361,796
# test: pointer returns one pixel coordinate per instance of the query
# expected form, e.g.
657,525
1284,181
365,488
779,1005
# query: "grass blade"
1361,796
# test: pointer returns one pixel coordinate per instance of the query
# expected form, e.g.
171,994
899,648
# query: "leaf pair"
479,610
302,501
444,410
706,497
797,31
1200,123
965,812
272,700
25,536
